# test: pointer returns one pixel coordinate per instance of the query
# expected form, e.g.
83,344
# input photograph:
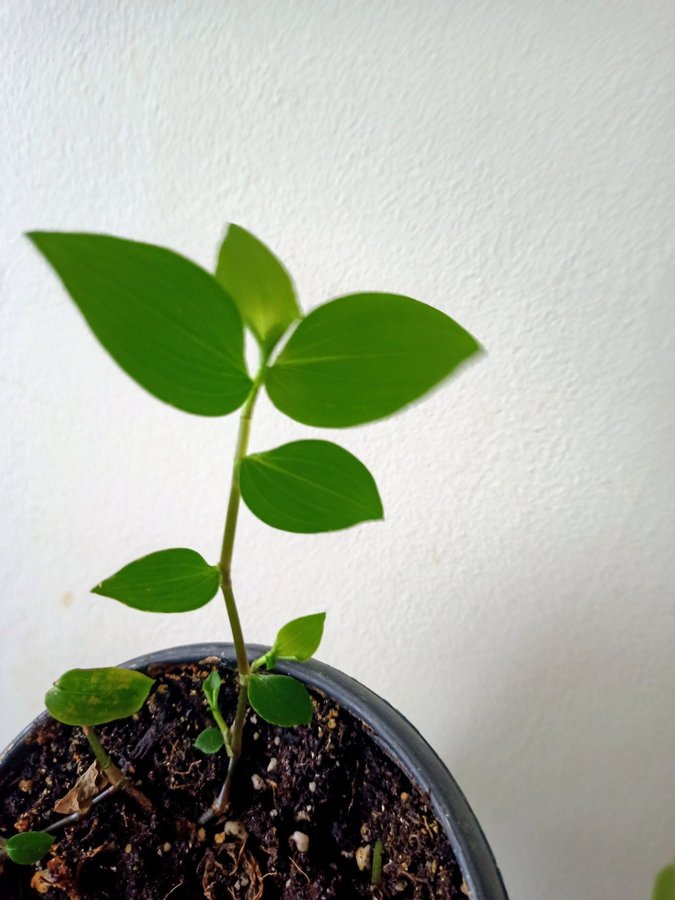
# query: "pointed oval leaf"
308,487
28,847
259,285
363,357
96,696
280,699
211,687
664,889
300,638
165,321
209,741
168,581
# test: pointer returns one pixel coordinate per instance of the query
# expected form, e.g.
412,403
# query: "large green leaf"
364,356
309,486
167,322
96,696
280,699
28,847
168,581
259,285
664,888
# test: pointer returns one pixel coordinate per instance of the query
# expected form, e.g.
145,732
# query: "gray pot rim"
399,739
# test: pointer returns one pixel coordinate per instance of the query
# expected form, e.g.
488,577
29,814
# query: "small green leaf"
96,696
211,688
259,285
298,639
363,357
165,321
168,581
308,487
28,847
280,699
209,741
664,888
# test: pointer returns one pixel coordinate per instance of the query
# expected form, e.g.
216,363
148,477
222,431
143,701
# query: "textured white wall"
509,162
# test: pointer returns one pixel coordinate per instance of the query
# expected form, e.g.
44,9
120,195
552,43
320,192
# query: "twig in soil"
77,816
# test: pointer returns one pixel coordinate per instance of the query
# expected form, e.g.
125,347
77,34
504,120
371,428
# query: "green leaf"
298,639
28,847
209,741
168,581
364,356
259,285
166,322
664,889
211,688
280,699
96,696
309,486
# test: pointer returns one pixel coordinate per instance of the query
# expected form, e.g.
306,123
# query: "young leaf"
309,486
298,639
259,285
166,322
96,696
280,699
211,688
664,889
363,357
28,847
168,581
209,741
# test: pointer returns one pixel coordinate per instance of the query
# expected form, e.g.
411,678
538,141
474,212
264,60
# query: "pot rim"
399,739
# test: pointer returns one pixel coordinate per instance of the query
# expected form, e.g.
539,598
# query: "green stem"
224,730
113,773
225,565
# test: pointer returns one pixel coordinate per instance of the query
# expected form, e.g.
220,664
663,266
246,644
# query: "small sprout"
257,782
280,700
211,687
298,639
209,741
29,847
376,871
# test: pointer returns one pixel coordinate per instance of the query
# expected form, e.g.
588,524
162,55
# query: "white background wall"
509,162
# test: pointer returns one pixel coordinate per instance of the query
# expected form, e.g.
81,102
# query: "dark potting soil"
308,806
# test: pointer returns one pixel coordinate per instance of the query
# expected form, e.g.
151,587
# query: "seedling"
179,332
90,697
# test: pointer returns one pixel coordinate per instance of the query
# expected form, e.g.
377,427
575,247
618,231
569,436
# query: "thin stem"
224,730
113,773
225,565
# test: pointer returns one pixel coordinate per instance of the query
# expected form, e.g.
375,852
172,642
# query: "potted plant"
235,770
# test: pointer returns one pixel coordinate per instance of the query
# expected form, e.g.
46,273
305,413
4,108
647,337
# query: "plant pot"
399,740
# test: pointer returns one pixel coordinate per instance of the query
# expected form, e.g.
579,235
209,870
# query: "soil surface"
308,806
